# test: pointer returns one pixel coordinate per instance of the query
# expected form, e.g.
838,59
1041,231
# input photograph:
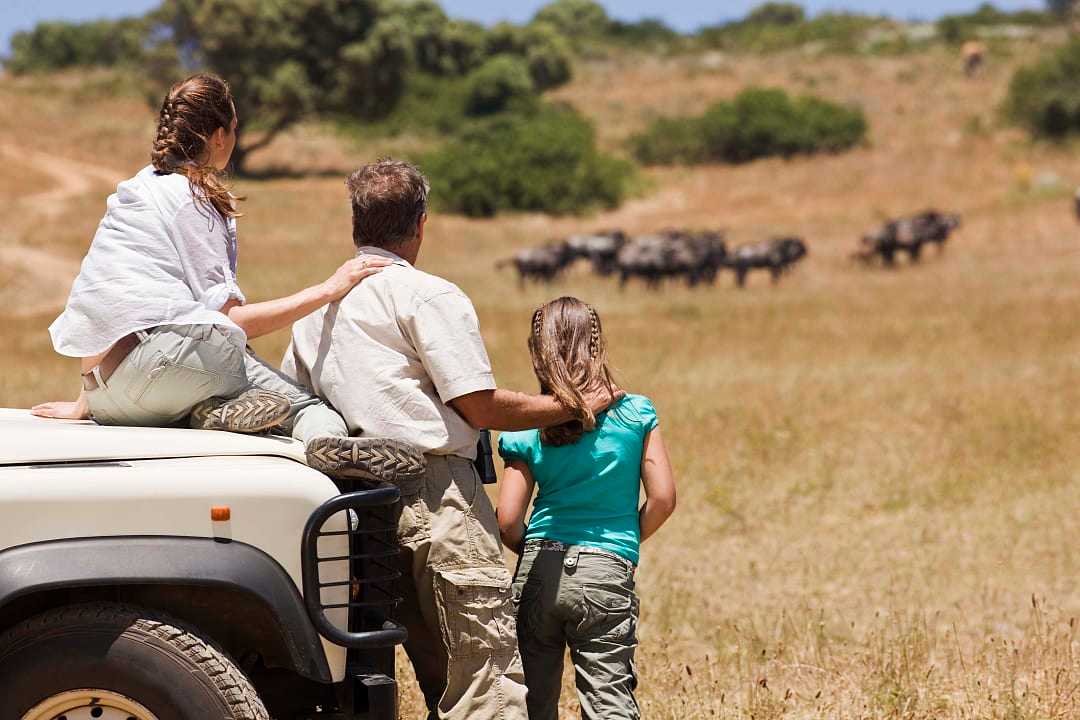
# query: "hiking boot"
365,458
251,411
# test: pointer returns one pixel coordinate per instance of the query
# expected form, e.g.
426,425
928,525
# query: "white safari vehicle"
169,574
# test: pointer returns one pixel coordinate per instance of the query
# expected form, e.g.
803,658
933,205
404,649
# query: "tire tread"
226,677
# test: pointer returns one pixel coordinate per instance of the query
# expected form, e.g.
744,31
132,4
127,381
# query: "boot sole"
365,458
260,410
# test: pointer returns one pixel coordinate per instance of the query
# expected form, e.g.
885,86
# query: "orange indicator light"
220,513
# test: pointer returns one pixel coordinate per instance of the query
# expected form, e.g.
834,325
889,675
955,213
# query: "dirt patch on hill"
69,178
32,280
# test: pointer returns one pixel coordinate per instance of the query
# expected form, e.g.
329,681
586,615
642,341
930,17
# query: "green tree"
546,52
575,18
1045,97
58,45
776,13
288,58
498,83
546,162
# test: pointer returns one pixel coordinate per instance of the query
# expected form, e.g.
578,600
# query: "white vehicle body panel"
28,439
73,480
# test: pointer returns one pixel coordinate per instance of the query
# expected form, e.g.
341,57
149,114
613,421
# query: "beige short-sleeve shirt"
392,354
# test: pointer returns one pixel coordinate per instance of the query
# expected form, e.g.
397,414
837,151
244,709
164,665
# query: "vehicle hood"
26,439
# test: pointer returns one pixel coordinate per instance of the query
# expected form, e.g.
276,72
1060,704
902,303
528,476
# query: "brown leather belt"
120,350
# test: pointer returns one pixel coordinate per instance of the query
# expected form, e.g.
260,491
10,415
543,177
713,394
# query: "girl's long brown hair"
190,113
569,356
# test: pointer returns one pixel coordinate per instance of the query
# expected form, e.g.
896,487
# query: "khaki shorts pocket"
476,611
173,389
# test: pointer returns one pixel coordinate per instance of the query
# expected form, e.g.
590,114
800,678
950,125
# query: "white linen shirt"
392,354
157,258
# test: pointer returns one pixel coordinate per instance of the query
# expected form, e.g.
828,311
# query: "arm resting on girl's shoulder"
262,318
659,482
515,490
509,410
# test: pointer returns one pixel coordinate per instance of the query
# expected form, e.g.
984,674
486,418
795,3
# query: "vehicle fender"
187,562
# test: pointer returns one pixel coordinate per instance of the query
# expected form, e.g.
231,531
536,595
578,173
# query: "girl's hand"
78,410
351,273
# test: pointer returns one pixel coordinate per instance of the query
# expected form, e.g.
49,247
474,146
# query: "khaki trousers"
175,367
457,605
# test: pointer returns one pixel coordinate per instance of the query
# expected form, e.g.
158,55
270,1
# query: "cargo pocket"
609,612
476,612
173,389
414,524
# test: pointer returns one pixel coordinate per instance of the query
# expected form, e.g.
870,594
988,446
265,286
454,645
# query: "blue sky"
684,14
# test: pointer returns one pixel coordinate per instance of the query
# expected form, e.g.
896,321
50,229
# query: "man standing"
401,357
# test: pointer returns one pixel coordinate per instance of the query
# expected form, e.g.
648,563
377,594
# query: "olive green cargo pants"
457,605
582,598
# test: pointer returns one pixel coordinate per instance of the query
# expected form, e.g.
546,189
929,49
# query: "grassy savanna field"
877,477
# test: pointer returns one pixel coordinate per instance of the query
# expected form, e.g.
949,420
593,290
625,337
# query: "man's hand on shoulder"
508,410
601,399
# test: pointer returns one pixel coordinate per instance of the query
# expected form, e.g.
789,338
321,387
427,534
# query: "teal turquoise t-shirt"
587,492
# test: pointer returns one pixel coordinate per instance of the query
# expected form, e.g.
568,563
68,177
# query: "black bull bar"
371,529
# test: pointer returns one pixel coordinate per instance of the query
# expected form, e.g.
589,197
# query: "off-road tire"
252,411
151,658
365,458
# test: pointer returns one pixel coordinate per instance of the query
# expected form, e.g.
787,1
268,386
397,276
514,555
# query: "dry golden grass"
877,468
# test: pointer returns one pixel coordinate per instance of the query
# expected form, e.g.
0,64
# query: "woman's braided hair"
569,358
190,113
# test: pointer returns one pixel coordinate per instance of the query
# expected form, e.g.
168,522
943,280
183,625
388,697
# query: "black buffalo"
601,249
542,264
695,258
777,255
908,235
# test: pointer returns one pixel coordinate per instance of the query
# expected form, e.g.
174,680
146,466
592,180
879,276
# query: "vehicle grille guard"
371,527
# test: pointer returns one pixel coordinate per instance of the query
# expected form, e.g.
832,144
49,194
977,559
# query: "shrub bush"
546,52
776,26
1045,97
758,122
58,45
642,33
958,28
545,162
498,83
575,18
776,13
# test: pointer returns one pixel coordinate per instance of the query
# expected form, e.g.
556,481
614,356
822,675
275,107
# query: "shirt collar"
382,252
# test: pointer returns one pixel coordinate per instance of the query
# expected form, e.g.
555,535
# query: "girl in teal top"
574,584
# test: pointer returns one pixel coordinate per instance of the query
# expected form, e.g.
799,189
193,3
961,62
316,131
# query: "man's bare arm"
506,410
509,410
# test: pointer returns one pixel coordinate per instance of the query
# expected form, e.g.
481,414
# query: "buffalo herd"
694,257
698,257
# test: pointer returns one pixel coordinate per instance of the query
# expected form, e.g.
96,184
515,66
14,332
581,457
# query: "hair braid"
166,141
567,349
594,333
192,111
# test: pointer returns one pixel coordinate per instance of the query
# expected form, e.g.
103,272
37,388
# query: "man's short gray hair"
388,199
